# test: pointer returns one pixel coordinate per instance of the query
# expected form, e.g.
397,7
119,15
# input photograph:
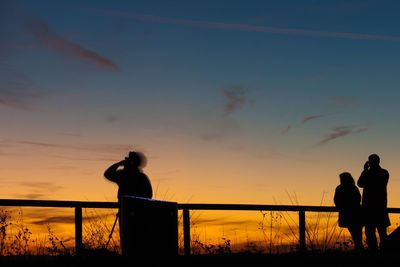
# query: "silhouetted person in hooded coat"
374,180
348,201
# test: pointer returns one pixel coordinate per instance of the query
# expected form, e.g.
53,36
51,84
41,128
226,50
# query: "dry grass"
16,237
278,232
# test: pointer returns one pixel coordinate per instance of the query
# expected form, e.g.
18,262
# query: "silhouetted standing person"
374,182
348,201
129,177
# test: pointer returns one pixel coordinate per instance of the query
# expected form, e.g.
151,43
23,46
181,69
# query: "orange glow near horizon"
188,176
232,179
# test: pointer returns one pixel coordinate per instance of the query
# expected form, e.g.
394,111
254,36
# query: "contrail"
247,27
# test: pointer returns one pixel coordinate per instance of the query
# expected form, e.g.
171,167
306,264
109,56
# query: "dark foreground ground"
333,258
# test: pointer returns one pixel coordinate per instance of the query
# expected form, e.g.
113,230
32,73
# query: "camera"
367,165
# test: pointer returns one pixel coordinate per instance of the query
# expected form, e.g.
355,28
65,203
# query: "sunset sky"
262,102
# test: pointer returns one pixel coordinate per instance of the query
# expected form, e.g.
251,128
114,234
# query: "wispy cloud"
44,219
19,101
46,35
314,117
247,27
235,98
89,147
223,221
55,219
38,190
341,131
303,121
45,186
30,196
17,90
111,118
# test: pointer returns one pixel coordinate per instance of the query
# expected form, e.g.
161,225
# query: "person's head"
346,178
374,160
135,160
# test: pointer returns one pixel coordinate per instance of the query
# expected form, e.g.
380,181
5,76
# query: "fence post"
186,232
78,229
302,231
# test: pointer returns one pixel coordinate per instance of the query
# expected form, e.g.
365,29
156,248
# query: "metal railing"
250,207
78,205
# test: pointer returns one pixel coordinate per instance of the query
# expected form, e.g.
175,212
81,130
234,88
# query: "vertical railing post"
302,231
186,232
78,230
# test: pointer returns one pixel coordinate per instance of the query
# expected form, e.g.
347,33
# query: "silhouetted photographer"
131,181
129,177
374,180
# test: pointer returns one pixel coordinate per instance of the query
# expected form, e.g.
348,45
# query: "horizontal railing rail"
256,207
185,207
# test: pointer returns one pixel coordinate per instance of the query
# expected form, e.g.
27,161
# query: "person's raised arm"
364,176
111,172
